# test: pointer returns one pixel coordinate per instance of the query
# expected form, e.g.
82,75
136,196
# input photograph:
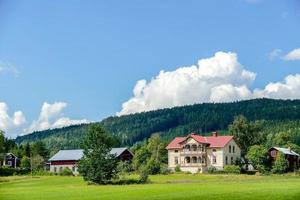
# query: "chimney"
215,134
289,148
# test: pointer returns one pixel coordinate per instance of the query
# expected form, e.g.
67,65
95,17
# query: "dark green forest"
276,116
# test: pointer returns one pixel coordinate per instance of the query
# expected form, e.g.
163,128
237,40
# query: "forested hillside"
278,115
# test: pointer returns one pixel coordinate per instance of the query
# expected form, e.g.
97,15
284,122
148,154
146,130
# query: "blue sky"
90,54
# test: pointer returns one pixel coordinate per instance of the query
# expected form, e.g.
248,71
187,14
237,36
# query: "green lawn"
175,186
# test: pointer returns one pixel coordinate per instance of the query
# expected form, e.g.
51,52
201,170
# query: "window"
231,160
229,148
187,147
226,160
55,169
273,154
73,168
60,169
199,160
214,150
194,147
194,159
176,151
9,163
203,160
233,149
214,159
187,159
176,160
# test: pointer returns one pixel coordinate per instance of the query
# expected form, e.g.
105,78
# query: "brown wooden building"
291,156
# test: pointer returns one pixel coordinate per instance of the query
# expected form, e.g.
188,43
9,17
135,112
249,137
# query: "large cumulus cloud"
220,78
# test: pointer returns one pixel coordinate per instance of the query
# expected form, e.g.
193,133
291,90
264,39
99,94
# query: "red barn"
69,158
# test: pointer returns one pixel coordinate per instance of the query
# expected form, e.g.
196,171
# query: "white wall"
62,167
235,155
218,153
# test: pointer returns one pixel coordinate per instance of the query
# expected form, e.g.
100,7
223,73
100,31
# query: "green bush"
164,169
232,169
280,164
9,171
43,173
177,168
66,172
211,169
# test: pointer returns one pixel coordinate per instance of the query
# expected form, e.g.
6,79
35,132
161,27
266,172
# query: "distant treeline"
276,115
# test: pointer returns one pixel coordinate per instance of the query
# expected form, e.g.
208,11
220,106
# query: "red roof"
213,141
175,144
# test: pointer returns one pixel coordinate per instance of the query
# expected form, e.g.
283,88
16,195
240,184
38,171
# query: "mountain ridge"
171,122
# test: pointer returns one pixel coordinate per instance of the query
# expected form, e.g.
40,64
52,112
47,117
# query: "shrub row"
8,171
228,169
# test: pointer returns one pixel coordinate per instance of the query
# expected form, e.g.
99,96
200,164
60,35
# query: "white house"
195,153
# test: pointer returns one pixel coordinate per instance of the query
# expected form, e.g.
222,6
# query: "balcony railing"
193,152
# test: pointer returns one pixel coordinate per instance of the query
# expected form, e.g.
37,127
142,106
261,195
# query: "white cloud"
288,89
220,78
51,116
10,123
275,53
8,68
292,55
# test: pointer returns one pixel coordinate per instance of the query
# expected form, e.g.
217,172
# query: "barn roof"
213,141
77,154
286,151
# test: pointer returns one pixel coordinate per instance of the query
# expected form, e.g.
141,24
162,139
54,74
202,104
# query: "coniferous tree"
98,165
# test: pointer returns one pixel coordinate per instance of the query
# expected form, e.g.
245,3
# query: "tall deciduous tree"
258,156
246,133
98,165
150,156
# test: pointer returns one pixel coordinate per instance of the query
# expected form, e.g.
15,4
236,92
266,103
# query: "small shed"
10,160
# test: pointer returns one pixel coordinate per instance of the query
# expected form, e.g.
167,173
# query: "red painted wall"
68,162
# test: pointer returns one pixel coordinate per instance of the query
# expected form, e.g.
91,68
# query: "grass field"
175,186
